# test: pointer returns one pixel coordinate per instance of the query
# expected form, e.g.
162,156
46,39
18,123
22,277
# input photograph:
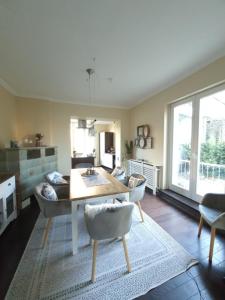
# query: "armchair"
212,210
137,193
50,208
108,221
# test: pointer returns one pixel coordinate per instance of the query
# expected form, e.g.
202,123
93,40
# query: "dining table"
92,189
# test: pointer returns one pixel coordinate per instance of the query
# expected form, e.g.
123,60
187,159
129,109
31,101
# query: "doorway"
86,140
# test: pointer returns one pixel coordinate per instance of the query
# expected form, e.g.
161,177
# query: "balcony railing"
206,170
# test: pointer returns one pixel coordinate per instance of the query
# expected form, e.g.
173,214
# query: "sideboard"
151,172
29,165
7,200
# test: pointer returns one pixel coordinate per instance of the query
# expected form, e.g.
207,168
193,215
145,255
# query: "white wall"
7,118
53,120
154,110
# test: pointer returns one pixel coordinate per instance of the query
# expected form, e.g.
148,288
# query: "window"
81,140
197,148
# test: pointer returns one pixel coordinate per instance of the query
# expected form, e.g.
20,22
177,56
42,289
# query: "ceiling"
140,47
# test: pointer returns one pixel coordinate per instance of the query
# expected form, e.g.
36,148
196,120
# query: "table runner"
95,180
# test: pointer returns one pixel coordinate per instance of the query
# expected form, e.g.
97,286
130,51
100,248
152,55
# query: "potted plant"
129,148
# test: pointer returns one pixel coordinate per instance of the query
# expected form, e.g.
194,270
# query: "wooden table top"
79,190
5,176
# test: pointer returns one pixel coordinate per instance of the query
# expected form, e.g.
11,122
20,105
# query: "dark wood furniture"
79,160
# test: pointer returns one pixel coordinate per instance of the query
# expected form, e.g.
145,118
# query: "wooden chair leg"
200,226
95,246
126,253
213,234
140,210
45,235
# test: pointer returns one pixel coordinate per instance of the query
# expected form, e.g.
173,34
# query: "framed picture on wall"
140,130
136,142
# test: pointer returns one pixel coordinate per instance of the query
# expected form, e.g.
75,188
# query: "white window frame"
195,99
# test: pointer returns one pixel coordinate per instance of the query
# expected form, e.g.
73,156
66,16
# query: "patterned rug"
53,273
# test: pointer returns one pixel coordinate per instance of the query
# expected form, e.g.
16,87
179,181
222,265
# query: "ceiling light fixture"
91,83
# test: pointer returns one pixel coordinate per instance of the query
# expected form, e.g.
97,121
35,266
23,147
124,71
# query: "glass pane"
182,124
211,162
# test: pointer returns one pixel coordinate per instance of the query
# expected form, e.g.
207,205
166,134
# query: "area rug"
53,273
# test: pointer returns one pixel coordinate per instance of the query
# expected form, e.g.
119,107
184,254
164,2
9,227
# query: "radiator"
151,172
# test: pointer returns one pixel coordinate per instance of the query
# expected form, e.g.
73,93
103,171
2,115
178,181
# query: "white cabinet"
7,201
151,172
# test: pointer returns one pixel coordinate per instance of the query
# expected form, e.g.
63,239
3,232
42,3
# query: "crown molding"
42,98
8,88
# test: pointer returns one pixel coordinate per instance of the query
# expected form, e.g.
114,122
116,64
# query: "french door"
197,144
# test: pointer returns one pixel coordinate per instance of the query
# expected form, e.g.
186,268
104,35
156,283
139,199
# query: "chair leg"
126,253
95,246
200,226
213,234
45,235
140,210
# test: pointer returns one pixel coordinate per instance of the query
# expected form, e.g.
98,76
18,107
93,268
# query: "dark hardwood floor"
203,281
13,242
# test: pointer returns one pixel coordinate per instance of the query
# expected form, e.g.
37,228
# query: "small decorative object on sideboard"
38,138
143,140
13,144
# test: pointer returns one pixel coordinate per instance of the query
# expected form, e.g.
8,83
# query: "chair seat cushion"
48,192
210,215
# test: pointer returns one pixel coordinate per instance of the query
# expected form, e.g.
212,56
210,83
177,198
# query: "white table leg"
74,227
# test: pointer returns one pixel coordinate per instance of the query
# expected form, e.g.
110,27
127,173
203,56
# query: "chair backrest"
137,193
83,165
213,200
106,221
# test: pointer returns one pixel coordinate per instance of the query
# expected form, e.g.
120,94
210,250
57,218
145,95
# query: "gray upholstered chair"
108,221
51,208
118,173
137,193
212,210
